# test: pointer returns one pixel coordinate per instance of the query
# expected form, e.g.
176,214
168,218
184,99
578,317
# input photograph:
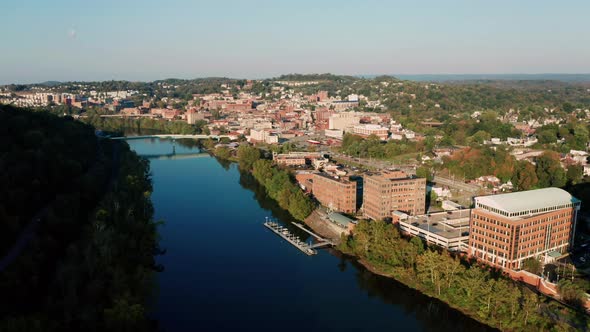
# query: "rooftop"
531,201
340,219
334,178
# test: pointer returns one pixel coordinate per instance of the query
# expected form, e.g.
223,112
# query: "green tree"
424,172
532,265
574,174
549,170
247,155
572,292
223,152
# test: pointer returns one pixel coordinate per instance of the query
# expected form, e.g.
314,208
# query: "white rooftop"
528,200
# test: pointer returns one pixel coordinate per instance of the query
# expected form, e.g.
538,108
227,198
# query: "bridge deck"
172,136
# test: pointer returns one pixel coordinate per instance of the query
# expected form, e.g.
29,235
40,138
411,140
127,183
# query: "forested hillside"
87,263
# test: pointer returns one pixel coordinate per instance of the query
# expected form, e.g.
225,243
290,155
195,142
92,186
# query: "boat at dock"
291,238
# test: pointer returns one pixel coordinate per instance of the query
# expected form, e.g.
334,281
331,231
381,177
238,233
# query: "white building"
371,129
343,121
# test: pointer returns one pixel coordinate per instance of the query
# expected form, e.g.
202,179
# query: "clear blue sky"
146,40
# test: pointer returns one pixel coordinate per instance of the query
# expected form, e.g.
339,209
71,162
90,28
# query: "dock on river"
294,239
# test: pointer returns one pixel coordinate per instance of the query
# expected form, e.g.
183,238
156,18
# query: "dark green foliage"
549,171
475,290
574,174
41,155
532,265
424,172
573,292
247,155
280,186
89,265
124,126
373,147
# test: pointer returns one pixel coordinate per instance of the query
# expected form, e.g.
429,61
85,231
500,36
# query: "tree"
424,172
262,171
574,174
572,292
524,177
300,206
247,155
549,171
222,152
532,265
481,136
530,305
547,136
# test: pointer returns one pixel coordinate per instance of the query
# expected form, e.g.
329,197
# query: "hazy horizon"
565,77
151,40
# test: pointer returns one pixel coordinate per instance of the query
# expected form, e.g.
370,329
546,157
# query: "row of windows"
545,220
546,209
489,220
496,244
505,231
495,235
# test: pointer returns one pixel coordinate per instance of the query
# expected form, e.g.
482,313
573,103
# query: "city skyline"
145,41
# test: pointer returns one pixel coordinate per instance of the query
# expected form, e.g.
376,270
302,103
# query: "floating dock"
291,238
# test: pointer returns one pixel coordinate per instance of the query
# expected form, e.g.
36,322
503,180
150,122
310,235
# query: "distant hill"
50,83
493,77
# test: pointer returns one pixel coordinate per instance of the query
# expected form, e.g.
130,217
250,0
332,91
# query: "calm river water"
224,271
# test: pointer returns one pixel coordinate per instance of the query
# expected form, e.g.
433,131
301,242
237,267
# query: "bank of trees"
89,263
124,126
473,162
278,183
41,156
373,147
475,290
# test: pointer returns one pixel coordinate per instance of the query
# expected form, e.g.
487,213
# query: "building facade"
343,121
338,194
507,229
367,130
390,191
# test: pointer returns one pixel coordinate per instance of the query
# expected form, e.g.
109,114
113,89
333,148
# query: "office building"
389,191
507,229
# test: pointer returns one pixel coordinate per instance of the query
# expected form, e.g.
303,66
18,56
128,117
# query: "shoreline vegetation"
278,183
89,266
478,291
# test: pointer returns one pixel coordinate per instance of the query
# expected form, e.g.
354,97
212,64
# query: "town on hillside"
493,171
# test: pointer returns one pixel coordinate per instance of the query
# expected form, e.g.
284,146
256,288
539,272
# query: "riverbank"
319,223
477,292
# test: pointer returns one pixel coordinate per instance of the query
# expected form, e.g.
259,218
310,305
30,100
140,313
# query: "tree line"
479,291
278,183
90,264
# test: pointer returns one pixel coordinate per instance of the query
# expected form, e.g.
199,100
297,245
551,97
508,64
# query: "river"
224,271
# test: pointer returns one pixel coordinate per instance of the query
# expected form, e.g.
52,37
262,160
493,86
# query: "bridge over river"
172,136
172,155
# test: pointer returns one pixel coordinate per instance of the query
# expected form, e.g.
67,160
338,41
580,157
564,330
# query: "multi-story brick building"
338,194
389,191
506,229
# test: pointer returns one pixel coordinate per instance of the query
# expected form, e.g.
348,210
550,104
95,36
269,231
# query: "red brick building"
338,194
507,229
389,191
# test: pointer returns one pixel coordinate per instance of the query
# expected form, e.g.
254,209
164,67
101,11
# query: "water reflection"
434,314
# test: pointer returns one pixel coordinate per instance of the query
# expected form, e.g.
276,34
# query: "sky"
67,40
